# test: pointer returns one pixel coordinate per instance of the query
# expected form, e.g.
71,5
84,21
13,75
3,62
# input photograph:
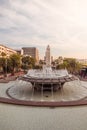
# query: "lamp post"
6,64
6,67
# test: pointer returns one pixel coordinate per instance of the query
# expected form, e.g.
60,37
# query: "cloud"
4,2
62,24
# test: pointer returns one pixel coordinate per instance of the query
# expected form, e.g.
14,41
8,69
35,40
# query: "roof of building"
7,47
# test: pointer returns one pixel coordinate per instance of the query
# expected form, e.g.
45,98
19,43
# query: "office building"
31,51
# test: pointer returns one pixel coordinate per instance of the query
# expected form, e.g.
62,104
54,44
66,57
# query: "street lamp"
6,67
6,64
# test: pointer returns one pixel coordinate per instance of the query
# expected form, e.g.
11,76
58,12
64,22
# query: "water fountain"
47,87
48,79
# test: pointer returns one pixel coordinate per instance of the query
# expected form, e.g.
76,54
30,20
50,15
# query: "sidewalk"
10,77
7,79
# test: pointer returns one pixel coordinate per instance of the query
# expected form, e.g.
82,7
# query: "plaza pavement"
13,117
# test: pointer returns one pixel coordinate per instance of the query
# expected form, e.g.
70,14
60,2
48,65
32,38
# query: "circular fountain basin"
21,93
24,91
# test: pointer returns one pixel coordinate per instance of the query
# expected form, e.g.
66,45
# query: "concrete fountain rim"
43,103
14,101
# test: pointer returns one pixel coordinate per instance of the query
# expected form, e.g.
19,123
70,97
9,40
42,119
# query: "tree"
28,62
38,67
70,64
3,63
3,54
15,62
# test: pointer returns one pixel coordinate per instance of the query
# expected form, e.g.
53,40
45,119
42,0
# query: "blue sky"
60,23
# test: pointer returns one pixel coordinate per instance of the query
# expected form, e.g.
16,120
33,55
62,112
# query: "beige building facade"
8,51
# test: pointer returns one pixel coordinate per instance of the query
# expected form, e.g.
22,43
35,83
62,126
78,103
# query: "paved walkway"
10,77
13,117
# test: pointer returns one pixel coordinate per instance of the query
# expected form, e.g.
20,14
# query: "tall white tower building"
48,58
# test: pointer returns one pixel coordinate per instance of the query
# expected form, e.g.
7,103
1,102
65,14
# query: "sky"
36,23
